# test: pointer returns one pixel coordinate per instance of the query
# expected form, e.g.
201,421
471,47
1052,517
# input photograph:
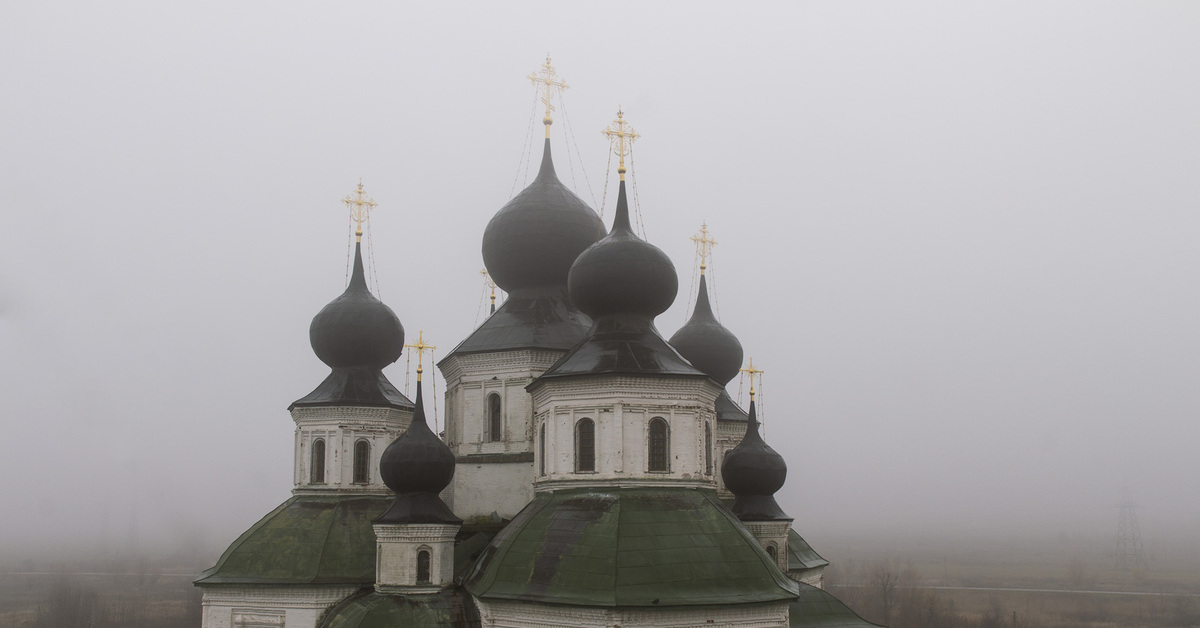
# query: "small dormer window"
316,472
362,462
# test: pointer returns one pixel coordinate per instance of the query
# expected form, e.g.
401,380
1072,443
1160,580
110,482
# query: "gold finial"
622,136
752,372
421,348
487,278
359,205
548,77
704,244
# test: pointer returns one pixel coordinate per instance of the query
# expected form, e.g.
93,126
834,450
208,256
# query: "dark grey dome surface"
623,273
622,282
533,240
417,466
754,472
357,329
531,318
706,343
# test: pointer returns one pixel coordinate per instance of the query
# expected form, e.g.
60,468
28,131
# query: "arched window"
658,444
362,464
423,567
585,445
771,551
708,469
542,449
316,472
495,419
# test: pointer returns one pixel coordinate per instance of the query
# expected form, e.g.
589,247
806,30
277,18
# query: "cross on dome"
622,137
548,77
360,206
704,244
421,348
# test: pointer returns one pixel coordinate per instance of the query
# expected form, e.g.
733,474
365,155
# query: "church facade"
591,472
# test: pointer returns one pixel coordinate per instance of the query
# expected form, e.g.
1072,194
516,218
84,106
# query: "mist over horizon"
960,239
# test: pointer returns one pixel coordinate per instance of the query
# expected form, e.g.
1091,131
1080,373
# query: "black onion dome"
417,466
754,472
357,329
622,273
533,240
706,343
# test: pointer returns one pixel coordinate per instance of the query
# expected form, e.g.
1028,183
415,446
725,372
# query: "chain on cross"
487,280
360,205
550,81
420,348
704,244
752,372
622,136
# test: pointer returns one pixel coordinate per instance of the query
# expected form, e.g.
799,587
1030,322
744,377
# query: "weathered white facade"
526,615
495,467
266,606
621,409
328,436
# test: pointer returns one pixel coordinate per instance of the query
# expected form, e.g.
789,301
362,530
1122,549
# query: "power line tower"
1131,554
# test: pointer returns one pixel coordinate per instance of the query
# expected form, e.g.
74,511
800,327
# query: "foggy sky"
961,238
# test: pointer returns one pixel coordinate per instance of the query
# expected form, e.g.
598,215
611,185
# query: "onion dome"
417,466
754,472
622,282
357,329
706,343
533,240
356,335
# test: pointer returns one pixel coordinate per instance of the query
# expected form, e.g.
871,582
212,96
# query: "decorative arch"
585,446
362,462
658,445
423,570
316,470
495,417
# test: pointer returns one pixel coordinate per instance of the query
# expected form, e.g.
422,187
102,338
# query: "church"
591,471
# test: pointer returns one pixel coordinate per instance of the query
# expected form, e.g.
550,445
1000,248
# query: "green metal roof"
452,608
308,539
816,608
801,555
628,547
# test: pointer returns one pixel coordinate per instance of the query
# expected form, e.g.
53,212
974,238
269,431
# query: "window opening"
495,419
423,567
362,456
658,444
585,445
316,473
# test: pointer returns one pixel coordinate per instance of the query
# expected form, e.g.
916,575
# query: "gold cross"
359,205
621,139
549,79
752,372
704,244
487,279
421,348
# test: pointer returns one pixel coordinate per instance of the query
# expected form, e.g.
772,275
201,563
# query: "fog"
960,238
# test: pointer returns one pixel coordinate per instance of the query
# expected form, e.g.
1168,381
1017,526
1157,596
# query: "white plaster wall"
342,427
622,408
253,606
772,533
479,489
505,614
396,552
726,436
